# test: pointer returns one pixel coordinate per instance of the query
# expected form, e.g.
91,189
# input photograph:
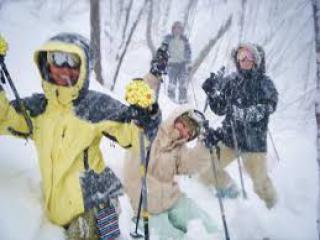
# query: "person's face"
177,30
184,131
64,68
64,76
245,59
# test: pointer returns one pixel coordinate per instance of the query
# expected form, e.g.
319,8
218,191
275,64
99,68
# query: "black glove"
211,137
160,62
148,119
140,115
213,85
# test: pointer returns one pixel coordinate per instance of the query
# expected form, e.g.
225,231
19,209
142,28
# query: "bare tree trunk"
124,30
242,18
2,3
132,30
166,16
149,29
206,49
119,9
95,38
108,24
308,68
187,13
316,17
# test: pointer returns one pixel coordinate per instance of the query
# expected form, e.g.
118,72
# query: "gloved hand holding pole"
5,76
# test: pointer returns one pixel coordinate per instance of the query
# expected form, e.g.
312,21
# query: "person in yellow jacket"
68,119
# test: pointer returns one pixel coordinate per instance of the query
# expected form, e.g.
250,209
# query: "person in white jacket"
170,209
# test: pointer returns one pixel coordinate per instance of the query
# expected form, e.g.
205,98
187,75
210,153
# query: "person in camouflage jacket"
245,98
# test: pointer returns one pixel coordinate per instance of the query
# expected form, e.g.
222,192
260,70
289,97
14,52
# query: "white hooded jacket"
169,157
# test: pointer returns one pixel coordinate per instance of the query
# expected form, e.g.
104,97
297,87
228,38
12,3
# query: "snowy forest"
125,35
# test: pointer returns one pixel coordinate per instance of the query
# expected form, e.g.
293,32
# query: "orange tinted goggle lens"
245,54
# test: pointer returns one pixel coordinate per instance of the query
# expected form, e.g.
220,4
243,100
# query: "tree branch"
150,43
134,26
206,49
124,30
95,38
187,13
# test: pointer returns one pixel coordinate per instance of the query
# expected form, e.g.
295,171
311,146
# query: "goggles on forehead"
243,54
63,59
196,115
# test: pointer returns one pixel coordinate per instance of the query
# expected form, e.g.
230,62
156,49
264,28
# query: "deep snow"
292,126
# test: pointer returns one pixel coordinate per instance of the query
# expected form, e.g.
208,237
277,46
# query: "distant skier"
69,121
246,98
179,63
170,209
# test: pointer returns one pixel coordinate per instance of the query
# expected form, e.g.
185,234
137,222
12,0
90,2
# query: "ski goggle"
63,59
245,54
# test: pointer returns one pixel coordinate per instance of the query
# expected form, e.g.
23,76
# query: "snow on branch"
206,49
132,30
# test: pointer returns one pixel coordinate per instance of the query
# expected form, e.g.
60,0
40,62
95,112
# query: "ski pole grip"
3,46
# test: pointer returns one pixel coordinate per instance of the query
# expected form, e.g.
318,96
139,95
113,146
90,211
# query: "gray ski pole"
274,145
145,213
143,201
237,150
238,155
214,168
158,68
221,205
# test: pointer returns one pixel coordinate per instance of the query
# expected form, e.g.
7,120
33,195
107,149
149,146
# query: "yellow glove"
3,46
139,93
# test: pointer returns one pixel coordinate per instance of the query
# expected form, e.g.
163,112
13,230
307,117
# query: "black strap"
218,151
85,159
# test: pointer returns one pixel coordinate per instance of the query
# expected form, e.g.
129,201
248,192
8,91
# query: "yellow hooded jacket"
66,121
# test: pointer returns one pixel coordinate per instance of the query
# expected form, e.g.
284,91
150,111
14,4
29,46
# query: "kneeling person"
171,210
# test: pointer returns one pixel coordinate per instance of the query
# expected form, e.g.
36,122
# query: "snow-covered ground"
292,126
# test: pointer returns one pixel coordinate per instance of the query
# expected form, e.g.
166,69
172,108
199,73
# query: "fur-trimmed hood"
258,53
